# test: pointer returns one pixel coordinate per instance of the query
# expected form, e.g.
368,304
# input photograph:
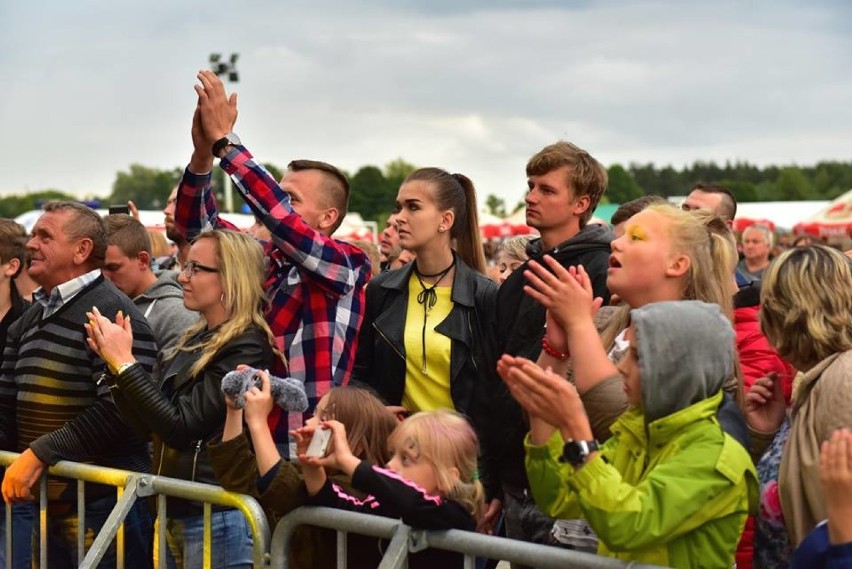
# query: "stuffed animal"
287,392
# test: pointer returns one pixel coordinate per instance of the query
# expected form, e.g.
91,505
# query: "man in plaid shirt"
315,284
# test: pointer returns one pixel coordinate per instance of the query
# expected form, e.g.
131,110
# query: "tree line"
374,188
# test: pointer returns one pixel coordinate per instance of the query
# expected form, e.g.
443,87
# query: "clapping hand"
765,407
113,342
566,293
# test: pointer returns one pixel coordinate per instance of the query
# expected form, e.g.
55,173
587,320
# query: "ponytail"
456,192
466,233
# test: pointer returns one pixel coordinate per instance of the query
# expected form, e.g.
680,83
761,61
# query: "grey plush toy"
287,392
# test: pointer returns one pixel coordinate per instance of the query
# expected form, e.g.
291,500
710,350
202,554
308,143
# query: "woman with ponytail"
422,339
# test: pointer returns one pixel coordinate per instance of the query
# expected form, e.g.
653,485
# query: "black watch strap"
576,453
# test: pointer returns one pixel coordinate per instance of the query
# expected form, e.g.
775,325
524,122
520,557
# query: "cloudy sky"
92,86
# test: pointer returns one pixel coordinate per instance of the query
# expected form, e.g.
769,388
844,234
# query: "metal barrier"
405,540
130,486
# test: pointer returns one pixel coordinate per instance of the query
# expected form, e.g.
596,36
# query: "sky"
92,86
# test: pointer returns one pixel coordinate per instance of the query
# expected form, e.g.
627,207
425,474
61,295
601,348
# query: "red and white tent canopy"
832,222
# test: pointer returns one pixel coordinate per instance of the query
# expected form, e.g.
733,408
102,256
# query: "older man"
53,405
757,244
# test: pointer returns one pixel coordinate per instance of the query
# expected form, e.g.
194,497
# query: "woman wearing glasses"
184,409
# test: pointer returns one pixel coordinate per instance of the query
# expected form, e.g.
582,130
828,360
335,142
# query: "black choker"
428,298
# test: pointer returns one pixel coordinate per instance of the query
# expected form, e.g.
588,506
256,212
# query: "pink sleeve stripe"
391,474
369,501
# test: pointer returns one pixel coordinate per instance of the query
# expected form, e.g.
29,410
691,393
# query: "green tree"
743,191
147,187
14,205
370,193
622,187
495,206
792,185
396,171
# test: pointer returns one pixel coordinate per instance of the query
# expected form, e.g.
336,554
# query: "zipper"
195,458
385,338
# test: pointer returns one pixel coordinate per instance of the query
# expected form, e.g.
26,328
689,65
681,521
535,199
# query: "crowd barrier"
131,486
405,540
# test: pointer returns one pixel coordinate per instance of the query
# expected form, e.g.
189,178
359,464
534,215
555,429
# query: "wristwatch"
576,453
229,139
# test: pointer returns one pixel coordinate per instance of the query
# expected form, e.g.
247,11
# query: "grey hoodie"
685,350
162,305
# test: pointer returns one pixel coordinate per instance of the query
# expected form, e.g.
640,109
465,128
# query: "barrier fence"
131,486
403,540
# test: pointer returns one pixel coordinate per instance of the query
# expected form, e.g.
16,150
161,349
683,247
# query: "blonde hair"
710,246
515,247
368,422
159,245
446,440
806,304
241,268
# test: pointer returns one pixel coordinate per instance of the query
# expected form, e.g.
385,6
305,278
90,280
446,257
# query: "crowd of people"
655,392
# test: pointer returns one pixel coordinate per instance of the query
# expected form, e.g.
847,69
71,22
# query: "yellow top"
427,384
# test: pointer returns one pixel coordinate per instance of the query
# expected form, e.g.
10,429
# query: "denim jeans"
23,516
231,541
62,535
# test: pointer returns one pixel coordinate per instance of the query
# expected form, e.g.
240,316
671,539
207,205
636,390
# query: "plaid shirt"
315,284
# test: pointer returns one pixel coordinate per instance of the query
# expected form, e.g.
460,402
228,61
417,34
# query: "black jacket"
380,359
183,413
518,327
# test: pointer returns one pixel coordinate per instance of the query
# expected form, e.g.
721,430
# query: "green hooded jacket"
670,487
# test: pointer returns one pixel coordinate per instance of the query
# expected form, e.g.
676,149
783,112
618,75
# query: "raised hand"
765,407
566,293
113,342
259,402
835,474
217,111
545,395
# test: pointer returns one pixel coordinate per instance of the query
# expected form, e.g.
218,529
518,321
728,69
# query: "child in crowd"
430,481
277,484
670,487
511,254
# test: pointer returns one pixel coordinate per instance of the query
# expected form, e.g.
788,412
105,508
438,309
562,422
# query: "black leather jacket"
380,359
183,413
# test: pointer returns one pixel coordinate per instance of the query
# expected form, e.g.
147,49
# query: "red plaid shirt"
315,284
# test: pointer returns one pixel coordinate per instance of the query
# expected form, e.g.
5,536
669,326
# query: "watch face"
576,452
233,138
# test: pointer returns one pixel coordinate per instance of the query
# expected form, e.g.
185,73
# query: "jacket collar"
664,429
463,281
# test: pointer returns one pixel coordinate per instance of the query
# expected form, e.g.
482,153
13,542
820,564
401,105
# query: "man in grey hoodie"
158,295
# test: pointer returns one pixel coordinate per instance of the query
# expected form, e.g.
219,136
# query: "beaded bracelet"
551,351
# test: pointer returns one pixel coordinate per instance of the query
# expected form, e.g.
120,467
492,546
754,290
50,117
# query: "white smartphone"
319,443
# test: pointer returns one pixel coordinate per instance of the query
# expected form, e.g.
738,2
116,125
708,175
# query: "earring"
222,299
441,230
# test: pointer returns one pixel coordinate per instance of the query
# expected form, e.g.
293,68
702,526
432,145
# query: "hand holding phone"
318,446
114,209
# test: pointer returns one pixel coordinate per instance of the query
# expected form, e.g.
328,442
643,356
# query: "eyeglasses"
192,267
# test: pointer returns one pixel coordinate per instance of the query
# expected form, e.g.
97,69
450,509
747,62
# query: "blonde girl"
430,481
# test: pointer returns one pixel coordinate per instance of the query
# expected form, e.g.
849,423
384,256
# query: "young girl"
423,323
664,254
277,484
430,481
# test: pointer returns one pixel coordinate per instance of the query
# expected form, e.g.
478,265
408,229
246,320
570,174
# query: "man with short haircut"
158,296
389,248
176,261
565,184
757,244
54,404
712,197
315,283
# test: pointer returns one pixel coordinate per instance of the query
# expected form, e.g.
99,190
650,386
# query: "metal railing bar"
81,521
111,525
396,554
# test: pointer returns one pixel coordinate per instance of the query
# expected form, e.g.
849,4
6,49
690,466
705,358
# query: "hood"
166,286
685,350
590,237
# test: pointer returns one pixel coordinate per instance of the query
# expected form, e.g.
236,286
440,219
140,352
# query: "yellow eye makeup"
636,233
